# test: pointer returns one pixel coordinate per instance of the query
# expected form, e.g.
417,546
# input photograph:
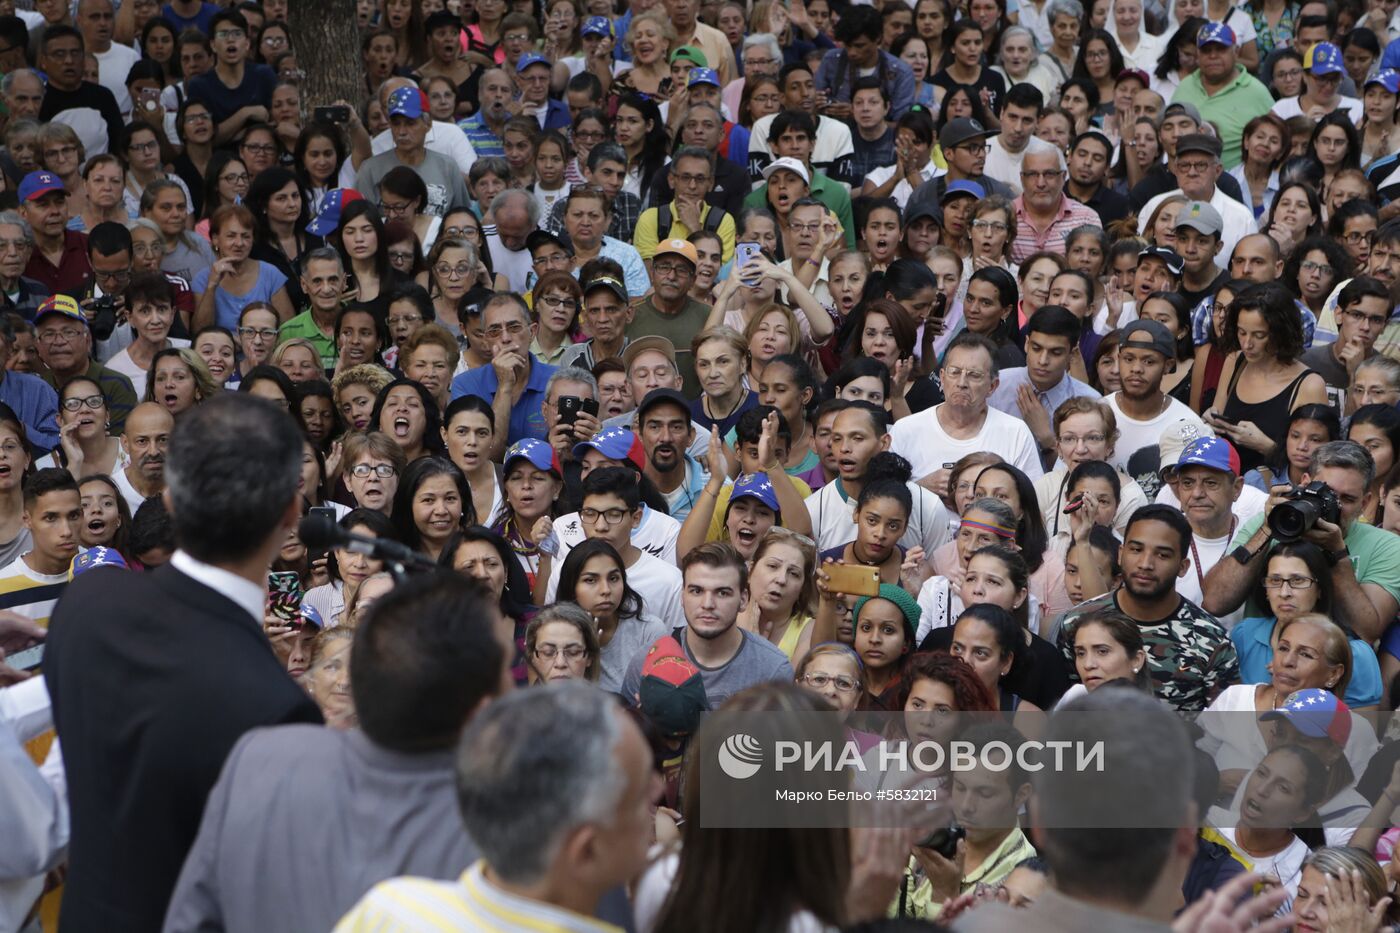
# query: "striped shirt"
30,593
418,905
485,142
1030,240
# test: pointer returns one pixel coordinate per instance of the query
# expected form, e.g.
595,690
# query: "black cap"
1170,257
1198,142
440,19
657,396
922,209
538,238
961,130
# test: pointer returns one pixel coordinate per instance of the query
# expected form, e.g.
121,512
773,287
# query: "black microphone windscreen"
318,532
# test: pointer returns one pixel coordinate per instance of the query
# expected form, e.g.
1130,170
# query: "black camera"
104,317
944,841
1306,505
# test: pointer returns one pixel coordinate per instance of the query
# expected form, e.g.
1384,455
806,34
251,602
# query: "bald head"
1257,258
516,213
146,438
23,93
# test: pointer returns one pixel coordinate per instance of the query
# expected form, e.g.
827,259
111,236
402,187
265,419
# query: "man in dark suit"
155,676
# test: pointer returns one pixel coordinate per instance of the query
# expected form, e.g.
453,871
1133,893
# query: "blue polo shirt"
484,142
527,414
1251,638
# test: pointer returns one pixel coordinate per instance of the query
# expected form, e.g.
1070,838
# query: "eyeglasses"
570,652
670,268
995,226
1095,54
589,137
690,179
1295,582
398,256
1072,440
517,37
274,40
1193,168
150,146
558,303
229,34
91,401
258,333
239,179
260,148
611,516
121,275
820,682
459,271
381,470
556,259
396,210
395,319
60,152
496,331
805,228
975,147
957,374
197,117
1375,320
1307,265
454,233
1356,237
67,334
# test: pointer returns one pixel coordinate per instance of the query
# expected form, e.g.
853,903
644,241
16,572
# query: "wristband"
812,262
1242,555
1339,555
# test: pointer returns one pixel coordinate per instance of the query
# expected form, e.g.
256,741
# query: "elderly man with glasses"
1197,169
18,292
65,347
1044,214
517,382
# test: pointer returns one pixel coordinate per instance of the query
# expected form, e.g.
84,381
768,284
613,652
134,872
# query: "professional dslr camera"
1290,520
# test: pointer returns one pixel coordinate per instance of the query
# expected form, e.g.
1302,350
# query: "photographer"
1365,559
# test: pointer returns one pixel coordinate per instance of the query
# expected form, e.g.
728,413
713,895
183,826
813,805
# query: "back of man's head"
1108,833
232,469
533,767
424,658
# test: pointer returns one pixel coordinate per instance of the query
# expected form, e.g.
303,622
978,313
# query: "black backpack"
713,219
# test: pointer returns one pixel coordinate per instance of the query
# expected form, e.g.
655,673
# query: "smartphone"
149,98
1074,505
335,114
743,252
329,514
1219,417
853,579
943,841
284,596
569,407
26,660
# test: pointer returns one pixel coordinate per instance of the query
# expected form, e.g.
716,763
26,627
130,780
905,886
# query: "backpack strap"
663,222
714,218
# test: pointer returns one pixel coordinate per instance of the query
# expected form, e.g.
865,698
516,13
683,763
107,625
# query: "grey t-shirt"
442,176
191,255
1321,361
757,661
22,544
631,640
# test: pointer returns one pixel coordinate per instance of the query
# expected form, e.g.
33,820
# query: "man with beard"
650,363
586,214
663,424
516,382
1189,654
964,144
730,658
1089,156
669,311
1146,352
1044,215
65,347
484,128
144,441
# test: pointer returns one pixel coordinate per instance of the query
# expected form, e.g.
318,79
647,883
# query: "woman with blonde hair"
63,153
299,359
1343,888
454,267
1160,228
649,39
783,588
770,333
327,677
721,357
179,380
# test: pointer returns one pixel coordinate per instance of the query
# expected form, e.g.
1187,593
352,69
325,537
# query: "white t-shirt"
657,582
833,519
833,141
921,440
1133,435
655,534
513,264
1289,107
902,191
112,68
139,377
1005,166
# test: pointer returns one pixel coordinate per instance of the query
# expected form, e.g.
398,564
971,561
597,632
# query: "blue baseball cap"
37,184
97,557
1218,33
1316,713
962,187
540,455
1324,58
408,102
702,76
596,26
310,615
615,444
1213,452
1387,78
327,219
531,58
755,486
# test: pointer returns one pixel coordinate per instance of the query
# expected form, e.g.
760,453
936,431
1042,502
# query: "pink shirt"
1052,238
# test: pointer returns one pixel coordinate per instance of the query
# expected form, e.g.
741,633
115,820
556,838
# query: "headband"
1001,531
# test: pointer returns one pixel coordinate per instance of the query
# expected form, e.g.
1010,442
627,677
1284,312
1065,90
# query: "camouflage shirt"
1189,653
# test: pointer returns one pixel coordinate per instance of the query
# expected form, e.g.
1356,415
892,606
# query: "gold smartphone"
853,578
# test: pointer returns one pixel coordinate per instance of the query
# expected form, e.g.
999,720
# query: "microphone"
319,532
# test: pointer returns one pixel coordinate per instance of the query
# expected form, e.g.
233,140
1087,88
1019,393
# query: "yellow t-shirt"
717,530
645,238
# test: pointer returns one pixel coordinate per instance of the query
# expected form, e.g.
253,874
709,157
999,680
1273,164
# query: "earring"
1136,669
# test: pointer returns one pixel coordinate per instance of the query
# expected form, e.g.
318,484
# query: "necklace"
1196,558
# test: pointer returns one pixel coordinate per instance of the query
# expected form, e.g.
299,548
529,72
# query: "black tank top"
1270,416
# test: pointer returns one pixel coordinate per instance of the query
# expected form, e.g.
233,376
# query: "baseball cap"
1217,33
1201,217
1176,437
60,304
692,54
310,615
531,58
1135,73
540,237
408,102
755,486
962,187
540,455
1198,142
962,130
1148,335
1324,58
677,247
787,163
639,346
617,287
702,76
615,444
1214,452
1170,257
672,692
1316,713
1182,107
661,396
922,209
38,184
327,219
1387,78
596,26
95,557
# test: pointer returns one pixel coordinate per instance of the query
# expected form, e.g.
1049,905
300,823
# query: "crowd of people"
390,486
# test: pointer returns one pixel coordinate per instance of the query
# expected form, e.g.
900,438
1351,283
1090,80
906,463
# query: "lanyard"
1196,558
